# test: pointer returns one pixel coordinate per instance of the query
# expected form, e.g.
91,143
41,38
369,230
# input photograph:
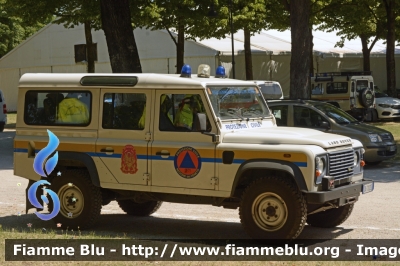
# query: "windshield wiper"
234,112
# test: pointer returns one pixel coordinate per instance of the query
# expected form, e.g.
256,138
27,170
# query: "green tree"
117,26
392,8
113,16
69,13
300,19
13,29
348,23
187,18
251,17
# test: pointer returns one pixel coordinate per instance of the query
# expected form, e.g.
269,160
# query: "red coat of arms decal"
129,160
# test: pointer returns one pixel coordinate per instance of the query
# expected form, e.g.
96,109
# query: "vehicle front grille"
386,137
341,164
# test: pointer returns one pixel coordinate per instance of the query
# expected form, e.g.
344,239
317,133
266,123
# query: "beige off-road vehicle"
351,91
146,138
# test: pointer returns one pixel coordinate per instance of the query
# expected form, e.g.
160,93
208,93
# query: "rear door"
123,139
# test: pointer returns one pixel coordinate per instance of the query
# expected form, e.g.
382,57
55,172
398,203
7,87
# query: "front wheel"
330,218
80,200
139,209
273,208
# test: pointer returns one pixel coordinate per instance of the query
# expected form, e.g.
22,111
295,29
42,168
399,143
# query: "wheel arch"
268,165
79,160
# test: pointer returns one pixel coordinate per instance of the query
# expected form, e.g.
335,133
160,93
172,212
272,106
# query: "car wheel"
139,209
330,218
1,128
80,200
272,208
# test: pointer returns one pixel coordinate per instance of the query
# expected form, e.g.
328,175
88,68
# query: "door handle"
164,154
108,149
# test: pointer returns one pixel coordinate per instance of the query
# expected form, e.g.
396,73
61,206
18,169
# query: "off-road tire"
88,205
279,198
139,209
330,218
366,97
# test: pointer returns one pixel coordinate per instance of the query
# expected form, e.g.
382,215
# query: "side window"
306,117
317,89
69,108
124,111
281,114
337,87
178,112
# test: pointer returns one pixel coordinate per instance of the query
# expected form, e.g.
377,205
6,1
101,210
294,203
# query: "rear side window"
124,111
61,108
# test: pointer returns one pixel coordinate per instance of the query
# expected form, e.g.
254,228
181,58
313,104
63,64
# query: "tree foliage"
14,29
354,19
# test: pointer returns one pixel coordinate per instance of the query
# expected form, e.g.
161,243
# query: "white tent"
51,50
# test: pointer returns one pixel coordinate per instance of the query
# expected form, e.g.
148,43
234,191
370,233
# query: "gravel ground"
376,215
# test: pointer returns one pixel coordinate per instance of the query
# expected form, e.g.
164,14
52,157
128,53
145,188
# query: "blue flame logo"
44,168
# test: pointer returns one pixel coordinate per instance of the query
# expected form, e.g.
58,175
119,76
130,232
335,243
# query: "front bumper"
343,194
385,113
380,152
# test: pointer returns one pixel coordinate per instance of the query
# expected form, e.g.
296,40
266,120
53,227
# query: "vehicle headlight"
375,138
319,165
384,105
356,158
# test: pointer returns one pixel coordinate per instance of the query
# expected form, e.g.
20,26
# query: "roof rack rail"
347,73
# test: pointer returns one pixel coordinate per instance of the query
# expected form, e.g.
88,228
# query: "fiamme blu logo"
43,166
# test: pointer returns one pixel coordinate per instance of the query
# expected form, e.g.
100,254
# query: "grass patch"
394,128
11,120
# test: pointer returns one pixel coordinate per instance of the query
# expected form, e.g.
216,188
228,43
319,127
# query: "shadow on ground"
120,225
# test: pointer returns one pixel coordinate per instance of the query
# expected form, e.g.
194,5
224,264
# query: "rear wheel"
80,200
273,208
330,218
1,128
139,209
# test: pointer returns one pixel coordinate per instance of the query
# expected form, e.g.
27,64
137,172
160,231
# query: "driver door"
180,157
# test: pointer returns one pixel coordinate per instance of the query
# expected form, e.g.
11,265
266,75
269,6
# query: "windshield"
237,102
340,116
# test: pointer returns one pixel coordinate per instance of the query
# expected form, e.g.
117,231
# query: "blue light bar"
220,72
186,71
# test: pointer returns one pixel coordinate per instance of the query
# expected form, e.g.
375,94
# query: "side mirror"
202,118
325,125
